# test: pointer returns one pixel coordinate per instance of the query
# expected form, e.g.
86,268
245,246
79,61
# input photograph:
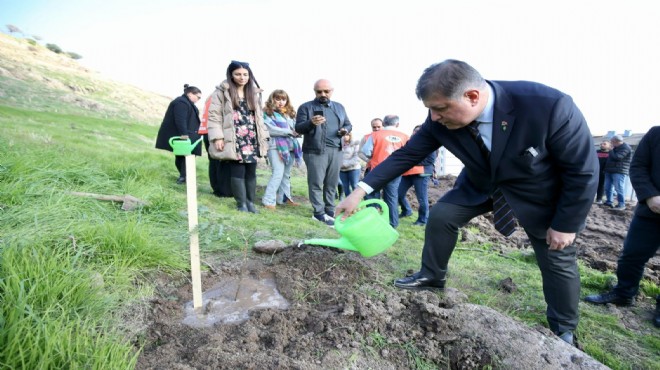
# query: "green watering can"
367,231
182,146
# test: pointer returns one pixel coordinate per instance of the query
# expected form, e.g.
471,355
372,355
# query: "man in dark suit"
532,155
643,239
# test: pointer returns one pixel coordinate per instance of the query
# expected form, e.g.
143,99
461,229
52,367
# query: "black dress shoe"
181,180
609,297
418,282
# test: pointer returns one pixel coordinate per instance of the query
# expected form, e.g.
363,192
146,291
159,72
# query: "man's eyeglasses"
323,91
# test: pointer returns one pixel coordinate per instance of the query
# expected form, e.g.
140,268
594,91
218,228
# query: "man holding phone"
322,123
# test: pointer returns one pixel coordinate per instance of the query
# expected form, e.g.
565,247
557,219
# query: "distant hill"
31,76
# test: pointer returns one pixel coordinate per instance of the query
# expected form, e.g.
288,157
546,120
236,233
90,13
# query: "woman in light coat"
237,132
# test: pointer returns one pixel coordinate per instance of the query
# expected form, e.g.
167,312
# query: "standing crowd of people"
238,130
526,148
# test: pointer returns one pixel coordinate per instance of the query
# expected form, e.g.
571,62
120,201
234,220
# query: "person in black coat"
525,147
181,119
643,239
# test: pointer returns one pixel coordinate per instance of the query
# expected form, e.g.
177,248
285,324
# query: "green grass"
69,265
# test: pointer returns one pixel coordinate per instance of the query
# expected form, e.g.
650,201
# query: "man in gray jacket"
322,122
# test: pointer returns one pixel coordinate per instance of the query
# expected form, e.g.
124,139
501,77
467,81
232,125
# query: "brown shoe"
272,208
290,202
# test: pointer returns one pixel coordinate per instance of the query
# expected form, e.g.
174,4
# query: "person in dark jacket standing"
602,154
181,119
643,239
616,171
528,155
323,123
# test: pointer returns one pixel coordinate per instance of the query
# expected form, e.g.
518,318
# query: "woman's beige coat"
221,125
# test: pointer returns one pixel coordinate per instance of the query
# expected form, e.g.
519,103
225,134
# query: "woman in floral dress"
237,131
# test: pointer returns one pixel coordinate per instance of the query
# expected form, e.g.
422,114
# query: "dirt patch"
343,315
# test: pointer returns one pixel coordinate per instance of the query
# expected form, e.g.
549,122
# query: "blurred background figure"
602,153
376,125
350,167
417,177
617,166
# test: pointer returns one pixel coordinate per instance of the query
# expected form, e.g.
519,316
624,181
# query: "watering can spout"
341,243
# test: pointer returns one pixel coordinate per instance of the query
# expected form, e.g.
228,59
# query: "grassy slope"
69,266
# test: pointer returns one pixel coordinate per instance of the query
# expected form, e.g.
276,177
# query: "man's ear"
472,96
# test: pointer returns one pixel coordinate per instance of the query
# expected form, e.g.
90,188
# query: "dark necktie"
474,132
503,218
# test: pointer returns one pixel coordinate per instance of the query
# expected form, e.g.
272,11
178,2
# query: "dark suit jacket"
645,171
551,185
181,118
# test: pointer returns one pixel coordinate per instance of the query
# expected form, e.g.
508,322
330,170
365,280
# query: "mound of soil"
341,315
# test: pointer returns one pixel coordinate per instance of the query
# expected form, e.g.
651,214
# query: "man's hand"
318,120
558,240
654,203
350,203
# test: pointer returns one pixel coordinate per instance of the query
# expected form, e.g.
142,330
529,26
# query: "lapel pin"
504,124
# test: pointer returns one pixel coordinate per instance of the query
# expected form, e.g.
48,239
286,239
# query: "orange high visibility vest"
385,143
204,123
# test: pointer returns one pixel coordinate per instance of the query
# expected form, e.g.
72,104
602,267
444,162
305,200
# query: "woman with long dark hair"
237,132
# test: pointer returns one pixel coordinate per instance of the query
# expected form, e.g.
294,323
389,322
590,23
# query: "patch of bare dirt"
343,316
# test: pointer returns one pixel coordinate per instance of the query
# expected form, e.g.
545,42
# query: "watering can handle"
385,209
172,139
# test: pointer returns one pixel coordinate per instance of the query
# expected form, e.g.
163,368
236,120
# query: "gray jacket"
314,136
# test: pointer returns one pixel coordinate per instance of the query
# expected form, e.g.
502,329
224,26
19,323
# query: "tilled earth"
343,317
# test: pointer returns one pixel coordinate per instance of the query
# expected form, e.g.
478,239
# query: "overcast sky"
600,53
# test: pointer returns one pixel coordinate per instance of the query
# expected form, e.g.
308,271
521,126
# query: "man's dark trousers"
561,279
641,244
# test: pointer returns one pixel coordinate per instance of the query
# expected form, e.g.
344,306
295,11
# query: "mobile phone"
318,112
